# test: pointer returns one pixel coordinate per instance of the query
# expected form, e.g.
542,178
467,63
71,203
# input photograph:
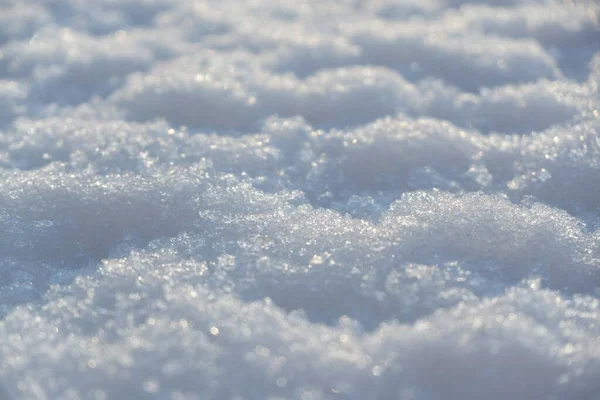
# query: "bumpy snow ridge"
304,200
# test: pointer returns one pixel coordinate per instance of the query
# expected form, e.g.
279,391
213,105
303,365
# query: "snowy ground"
299,199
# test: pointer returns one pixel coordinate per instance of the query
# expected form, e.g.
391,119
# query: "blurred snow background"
269,199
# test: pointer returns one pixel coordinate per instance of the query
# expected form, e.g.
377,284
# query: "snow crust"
299,199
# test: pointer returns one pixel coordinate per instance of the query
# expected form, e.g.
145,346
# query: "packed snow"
314,199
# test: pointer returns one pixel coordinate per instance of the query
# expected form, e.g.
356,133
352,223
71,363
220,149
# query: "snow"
299,199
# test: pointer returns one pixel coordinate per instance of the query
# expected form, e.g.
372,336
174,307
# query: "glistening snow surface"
308,200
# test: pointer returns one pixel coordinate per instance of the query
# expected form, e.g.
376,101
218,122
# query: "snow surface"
273,199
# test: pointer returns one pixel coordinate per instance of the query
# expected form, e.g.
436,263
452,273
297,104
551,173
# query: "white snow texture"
300,199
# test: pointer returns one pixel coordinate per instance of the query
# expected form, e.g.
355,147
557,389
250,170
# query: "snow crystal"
299,199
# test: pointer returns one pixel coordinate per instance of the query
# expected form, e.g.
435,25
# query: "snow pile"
299,199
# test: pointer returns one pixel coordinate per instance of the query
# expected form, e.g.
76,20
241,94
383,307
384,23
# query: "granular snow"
299,199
